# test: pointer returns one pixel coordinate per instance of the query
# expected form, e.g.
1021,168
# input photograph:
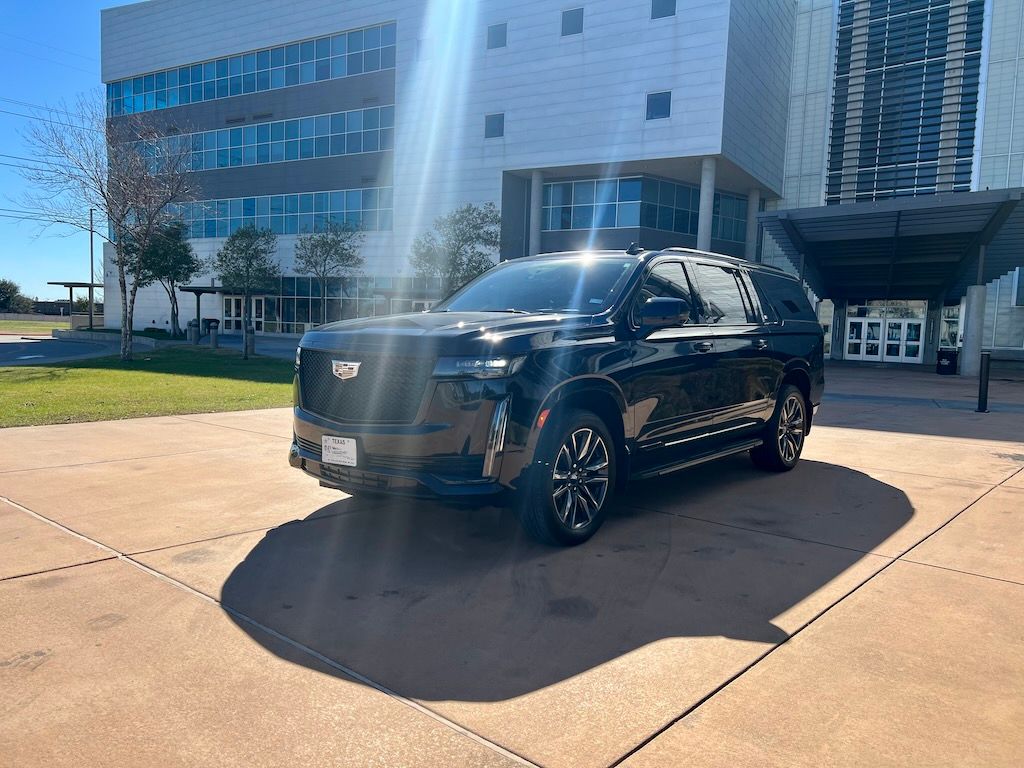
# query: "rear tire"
784,433
571,481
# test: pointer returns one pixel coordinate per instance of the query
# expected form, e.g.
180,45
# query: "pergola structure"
198,291
71,286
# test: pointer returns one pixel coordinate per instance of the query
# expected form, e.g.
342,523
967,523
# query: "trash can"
193,331
213,326
947,362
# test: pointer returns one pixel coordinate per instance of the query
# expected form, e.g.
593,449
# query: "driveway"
172,593
40,350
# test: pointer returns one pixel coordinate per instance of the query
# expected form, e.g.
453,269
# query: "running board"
728,451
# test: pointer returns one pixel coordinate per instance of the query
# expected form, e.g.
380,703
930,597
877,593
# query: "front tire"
571,481
784,433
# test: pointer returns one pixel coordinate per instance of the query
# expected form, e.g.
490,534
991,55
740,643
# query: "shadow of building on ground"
456,604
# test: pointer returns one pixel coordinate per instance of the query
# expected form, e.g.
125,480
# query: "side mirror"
663,312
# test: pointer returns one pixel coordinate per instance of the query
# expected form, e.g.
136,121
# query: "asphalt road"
28,350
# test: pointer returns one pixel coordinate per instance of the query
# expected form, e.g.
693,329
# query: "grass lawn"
156,383
31,327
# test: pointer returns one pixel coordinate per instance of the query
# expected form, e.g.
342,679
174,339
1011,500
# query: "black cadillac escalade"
550,381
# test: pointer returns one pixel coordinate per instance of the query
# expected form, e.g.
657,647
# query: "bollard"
213,337
986,361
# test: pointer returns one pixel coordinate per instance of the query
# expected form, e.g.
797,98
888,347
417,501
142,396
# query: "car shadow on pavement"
440,603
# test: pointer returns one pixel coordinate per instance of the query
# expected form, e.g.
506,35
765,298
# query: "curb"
107,338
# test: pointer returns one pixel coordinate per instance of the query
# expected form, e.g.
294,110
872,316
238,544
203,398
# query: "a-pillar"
536,210
973,323
750,244
706,211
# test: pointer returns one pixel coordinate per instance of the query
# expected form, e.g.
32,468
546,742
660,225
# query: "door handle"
703,346
760,344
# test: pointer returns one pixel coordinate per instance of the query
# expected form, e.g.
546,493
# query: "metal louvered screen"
387,388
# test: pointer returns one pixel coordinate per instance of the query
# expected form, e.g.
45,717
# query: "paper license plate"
338,450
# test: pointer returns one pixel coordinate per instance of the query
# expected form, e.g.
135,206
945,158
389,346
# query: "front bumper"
458,457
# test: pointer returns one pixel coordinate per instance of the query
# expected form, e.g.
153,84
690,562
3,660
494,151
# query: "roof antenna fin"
634,249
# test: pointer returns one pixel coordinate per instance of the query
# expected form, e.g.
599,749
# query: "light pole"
92,273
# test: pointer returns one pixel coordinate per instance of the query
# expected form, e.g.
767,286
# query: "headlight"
490,367
298,356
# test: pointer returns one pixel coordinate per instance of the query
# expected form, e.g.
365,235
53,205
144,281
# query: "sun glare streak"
434,107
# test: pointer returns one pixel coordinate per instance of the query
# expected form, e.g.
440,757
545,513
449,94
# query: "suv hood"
448,333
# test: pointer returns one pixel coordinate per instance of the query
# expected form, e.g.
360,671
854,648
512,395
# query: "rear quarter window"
786,297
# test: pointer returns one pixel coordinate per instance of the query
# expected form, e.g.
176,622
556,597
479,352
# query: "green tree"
464,243
331,253
170,261
12,299
246,264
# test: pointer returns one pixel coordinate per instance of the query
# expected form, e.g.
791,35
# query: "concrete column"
707,203
750,244
973,322
536,210
931,330
839,329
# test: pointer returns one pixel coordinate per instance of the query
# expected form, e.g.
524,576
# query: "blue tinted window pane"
387,57
222,67
277,57
161,81
354,120
338,122
387,34
235,65
371,60
387,117
661,9
572,22
249,63
355,40
659,105
292,54
323,69
355,63
353,200
263,60
494,126
339,44
307,51
497,36
371,38
184,76
248,83
307,72
323,47
277,78
629,215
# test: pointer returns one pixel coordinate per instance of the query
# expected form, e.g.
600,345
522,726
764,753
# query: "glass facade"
369,209
341,133
639,201
300,300
905,99
307,61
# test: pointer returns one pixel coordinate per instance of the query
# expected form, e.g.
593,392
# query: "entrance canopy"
907,248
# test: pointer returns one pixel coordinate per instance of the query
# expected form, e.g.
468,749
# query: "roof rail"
726,257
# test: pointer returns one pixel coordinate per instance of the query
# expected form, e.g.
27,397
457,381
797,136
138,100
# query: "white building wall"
1002,137
578,100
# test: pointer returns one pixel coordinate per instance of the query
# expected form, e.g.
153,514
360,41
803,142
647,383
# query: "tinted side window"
786,297
724,299
666,279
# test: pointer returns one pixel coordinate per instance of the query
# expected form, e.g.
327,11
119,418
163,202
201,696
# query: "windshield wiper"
511,310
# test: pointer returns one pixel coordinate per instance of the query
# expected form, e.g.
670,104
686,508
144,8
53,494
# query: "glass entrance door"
232,314
904,341
863,339
257,314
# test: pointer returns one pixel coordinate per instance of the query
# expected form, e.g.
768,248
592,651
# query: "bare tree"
460,247
331,253
124,168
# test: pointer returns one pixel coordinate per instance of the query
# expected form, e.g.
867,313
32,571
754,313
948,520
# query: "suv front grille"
387,389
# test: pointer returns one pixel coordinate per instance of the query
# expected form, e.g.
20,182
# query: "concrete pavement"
42,350
172,593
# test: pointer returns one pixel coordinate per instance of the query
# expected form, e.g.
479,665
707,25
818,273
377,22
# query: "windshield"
573,284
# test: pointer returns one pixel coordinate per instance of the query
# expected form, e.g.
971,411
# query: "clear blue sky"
48,51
